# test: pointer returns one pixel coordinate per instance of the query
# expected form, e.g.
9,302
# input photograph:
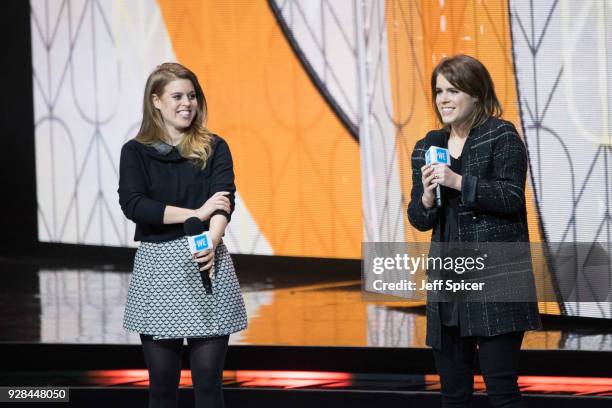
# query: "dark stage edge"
369,360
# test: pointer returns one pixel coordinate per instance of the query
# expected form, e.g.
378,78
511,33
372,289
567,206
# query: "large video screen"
321,103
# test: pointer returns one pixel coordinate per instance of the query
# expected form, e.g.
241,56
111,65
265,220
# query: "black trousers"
499,363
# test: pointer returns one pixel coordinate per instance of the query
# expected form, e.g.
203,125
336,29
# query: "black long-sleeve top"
153,176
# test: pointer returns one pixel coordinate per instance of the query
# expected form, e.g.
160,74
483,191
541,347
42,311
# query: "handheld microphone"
199,240
437,155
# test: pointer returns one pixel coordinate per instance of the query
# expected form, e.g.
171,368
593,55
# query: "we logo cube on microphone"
437,155
440,156
199,242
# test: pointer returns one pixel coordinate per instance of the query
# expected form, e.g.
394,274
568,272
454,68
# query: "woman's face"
177,104
455,106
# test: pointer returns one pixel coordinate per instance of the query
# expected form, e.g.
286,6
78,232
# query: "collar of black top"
163,152
162,148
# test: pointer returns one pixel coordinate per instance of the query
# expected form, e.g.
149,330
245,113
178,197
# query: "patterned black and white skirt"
166,298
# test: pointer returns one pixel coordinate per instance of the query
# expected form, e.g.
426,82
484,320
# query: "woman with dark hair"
173,170
483,196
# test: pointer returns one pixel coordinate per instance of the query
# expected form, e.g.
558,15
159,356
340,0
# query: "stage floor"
405,390
49,301
595,386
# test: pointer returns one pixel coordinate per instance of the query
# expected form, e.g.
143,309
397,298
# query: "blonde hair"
196,144
468,75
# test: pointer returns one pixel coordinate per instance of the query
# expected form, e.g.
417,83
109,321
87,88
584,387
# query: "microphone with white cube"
437,155
199,240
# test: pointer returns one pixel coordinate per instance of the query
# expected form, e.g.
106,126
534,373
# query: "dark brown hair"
197,142
468,75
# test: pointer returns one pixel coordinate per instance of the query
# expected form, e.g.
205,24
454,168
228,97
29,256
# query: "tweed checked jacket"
492,209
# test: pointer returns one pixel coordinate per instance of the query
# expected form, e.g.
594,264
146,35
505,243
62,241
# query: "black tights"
206,358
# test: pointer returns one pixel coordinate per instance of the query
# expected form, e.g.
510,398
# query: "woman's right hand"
429,185
218,201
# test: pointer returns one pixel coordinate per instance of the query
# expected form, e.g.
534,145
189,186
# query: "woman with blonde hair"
483,200
175,169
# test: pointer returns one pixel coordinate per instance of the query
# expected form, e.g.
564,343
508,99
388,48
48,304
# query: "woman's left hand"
206,259
444,176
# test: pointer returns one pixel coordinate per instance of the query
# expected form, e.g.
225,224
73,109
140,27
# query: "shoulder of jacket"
501,125
432,138
503,131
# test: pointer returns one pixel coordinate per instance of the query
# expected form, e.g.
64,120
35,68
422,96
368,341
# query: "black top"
450,203
449,311
153,176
